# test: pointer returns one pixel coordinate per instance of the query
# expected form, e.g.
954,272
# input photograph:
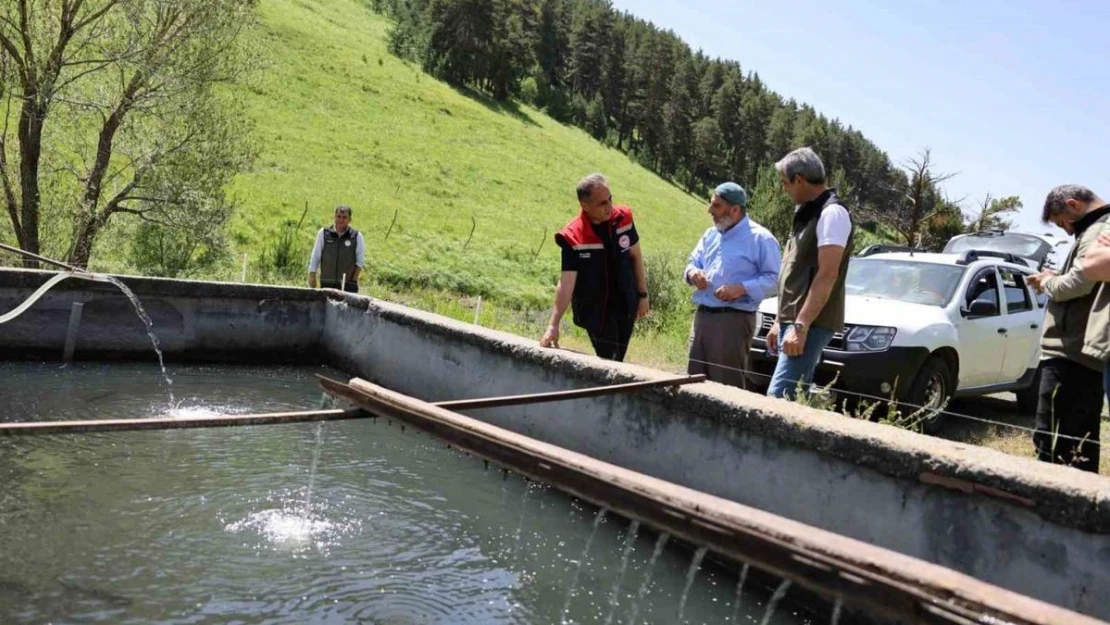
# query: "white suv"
925,327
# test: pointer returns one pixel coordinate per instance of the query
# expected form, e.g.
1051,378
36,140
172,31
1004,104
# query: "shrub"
174,252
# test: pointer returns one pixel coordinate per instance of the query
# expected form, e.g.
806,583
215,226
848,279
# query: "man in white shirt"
811,281
338,255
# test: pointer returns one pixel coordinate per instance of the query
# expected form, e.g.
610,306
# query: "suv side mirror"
981,308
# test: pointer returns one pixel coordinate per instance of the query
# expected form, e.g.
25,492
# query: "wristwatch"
642,294
800,328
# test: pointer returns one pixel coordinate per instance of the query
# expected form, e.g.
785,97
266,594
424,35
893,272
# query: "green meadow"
474,190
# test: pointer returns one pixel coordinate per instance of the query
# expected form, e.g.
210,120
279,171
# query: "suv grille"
836,344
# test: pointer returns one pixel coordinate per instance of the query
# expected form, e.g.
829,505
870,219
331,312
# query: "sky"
1010,96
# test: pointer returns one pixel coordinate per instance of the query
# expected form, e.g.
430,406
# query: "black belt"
723,309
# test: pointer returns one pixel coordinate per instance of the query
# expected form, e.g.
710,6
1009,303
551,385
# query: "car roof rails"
885,248
971,256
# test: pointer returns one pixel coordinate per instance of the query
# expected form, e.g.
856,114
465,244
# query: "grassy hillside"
340,120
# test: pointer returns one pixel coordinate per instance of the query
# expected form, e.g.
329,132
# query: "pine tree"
460,41
553,43
679,116
770,206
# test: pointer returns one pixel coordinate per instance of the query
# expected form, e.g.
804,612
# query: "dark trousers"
350,287
1070,405
719,344
612,341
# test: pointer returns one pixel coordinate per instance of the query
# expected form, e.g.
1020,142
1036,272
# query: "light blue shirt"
746,254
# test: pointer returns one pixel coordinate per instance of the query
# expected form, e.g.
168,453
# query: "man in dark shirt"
603,279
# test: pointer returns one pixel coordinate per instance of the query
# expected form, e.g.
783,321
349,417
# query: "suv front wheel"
929,395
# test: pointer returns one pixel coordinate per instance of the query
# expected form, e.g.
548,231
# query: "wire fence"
875,399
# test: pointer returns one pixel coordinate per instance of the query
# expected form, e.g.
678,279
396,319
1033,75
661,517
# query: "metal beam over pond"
276,418
864,576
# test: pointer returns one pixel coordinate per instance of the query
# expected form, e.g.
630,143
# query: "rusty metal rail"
578,393
307,416
862,575
176,423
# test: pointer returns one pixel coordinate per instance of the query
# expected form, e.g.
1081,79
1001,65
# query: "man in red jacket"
603,279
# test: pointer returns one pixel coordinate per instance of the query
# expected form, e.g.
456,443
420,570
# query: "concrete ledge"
163,287
193,321
1060,494
1041,530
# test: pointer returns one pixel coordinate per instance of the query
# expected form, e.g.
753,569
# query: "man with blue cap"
733,267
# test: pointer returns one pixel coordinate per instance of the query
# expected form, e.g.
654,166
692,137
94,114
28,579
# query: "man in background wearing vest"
339,254
1096,266
811,282
603,279
1070,399
733,267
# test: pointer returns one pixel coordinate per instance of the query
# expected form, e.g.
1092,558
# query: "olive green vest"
338,256
1072,326
799,267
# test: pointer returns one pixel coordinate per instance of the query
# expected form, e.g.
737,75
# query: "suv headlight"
869,338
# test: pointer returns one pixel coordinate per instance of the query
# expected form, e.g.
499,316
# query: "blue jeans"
793,369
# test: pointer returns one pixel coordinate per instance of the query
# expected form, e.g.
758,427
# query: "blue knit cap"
733,194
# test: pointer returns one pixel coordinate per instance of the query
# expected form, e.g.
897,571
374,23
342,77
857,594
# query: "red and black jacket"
605,272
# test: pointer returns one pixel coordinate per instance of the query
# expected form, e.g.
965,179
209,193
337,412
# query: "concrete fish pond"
677,501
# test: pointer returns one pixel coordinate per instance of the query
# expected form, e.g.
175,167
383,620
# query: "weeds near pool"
824,398
1075,451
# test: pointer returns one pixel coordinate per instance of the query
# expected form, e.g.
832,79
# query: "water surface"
219,526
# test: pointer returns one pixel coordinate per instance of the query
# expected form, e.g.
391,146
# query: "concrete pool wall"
1037,529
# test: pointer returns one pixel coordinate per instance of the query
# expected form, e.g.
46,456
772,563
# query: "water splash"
192,412
629,544
581,559
780,592
695,564
835,620
292,530
739,594
520,520
312,470
139,310
662,540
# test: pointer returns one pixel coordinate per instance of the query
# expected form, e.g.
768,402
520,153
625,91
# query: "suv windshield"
1021,245
907,281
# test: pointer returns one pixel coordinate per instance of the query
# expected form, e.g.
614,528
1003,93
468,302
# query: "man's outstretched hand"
550,338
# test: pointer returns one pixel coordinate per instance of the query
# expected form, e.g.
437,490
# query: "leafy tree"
552,48
707,151
678,116
726,111
916,203
755,117
597,122
175,252
993,212
408,37
941,225
460,39
115,112
590,24
770,205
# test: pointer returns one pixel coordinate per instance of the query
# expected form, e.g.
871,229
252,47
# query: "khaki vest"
799,267
1075,328
338,256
